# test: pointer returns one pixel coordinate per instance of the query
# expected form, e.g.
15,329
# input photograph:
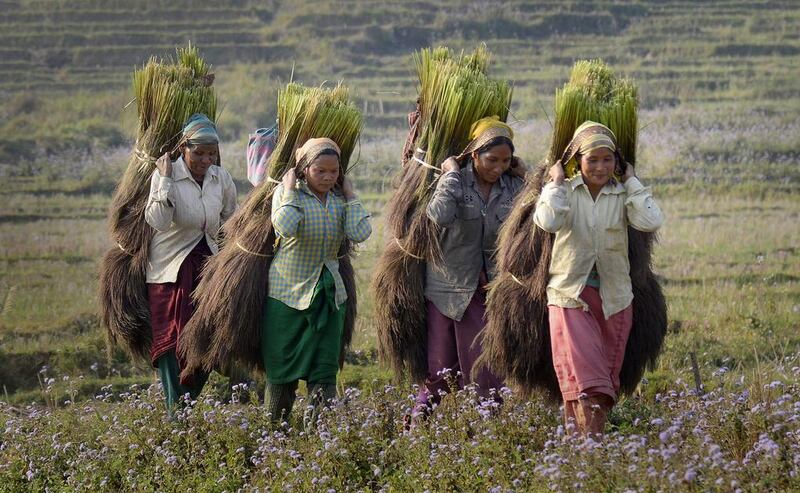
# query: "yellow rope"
142,156
423,163
245,250
517,280
123,249
397,240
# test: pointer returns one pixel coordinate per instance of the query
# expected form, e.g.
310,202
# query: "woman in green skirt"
313,213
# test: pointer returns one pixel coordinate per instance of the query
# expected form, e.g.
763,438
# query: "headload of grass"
595,93
226,327
517,336
454,92
166,92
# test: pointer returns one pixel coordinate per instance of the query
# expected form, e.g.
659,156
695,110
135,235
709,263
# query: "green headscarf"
199,129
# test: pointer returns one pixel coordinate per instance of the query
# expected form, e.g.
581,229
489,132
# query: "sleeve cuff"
354,208
454,173
164,182
550,188
164,186
450,183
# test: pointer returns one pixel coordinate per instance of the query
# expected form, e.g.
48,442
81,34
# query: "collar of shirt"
181,172
302,185
612,187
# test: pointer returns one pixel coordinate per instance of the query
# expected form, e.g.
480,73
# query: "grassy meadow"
80,416
719,144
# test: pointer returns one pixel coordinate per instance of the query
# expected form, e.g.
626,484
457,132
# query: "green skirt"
304,344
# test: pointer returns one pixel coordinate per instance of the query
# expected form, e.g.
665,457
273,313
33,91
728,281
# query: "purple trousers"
452,346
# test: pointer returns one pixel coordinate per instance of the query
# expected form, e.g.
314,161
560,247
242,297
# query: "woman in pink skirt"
589,293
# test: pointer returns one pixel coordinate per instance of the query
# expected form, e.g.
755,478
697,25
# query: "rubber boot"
319,395
279,400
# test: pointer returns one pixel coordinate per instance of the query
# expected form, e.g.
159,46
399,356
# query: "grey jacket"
468,233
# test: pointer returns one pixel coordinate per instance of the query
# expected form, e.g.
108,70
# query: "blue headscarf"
200,130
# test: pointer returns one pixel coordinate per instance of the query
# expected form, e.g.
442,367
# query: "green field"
719,143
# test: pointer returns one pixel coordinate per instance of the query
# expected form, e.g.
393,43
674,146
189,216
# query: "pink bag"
259,149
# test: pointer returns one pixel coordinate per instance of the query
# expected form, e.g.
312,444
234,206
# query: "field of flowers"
742,436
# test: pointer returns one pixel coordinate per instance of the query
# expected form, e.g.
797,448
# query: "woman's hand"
629,172
518,167
450,164
289,179
164,165
347,189
557,173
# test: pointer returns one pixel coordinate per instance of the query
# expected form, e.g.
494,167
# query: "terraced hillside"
65,64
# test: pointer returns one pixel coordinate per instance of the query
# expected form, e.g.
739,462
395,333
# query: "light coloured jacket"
183,214
594,233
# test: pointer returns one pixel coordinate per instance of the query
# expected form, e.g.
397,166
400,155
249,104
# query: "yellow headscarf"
484,130
601,136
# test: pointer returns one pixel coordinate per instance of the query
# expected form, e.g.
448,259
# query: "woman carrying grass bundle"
167,94
589,292
304,314
469,205
189,199
256,303
454,93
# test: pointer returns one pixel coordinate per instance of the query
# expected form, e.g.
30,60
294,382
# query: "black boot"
319,395
279,399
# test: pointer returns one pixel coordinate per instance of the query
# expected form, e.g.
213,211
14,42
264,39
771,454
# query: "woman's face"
490,165
200,157
322,173
597,167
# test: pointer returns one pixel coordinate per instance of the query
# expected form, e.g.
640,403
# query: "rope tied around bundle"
423,163
400,245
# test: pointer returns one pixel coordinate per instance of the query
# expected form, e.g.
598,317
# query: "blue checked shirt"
310,235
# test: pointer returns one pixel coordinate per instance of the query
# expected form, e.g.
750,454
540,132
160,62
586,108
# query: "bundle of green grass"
166,92
516,339
595,93
454,92
226,327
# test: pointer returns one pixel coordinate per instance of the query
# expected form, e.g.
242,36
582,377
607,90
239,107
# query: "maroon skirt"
171,303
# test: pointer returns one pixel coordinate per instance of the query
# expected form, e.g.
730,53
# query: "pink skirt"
588,349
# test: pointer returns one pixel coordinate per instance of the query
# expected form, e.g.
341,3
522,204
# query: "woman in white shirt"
590,293
189,200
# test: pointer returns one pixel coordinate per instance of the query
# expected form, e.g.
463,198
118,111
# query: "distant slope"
679,52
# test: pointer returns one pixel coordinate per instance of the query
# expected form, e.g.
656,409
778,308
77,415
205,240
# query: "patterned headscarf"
484,131
308,152
587,137
199,130
592,135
